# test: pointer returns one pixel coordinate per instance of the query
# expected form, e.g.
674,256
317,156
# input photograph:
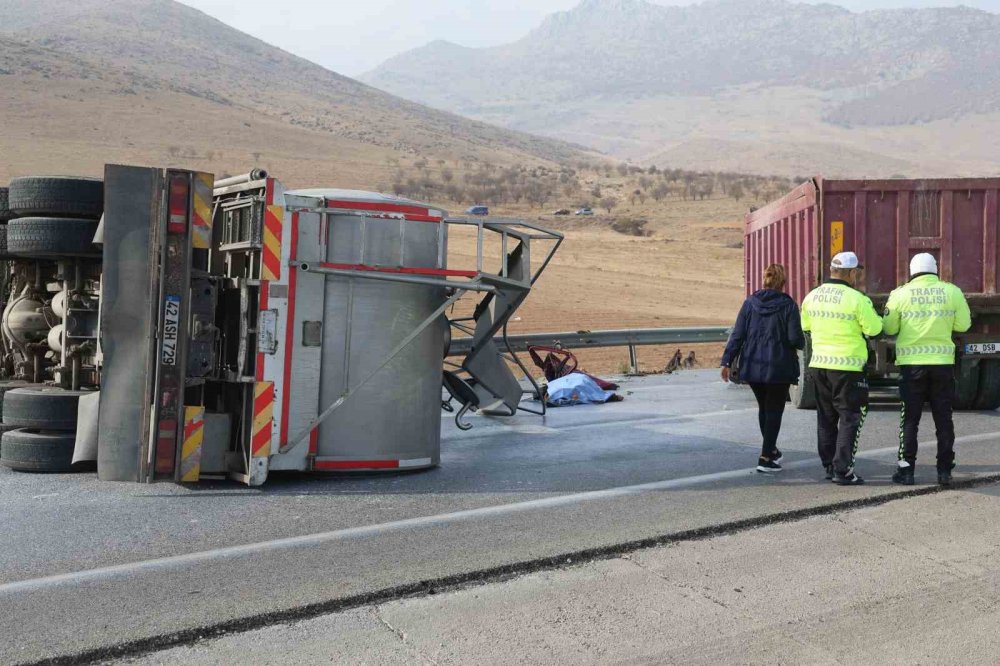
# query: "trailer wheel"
988,396
31,450
9,385
57,195
803,394
41,407
966,384
51,237
5,213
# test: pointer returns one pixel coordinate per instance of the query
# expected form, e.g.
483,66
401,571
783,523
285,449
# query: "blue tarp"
576,389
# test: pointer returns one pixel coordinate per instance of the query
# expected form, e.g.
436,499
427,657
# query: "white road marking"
322,538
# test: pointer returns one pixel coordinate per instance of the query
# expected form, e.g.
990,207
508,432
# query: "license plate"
983,348
171,329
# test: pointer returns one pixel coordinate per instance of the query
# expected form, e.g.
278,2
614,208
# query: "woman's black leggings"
771,400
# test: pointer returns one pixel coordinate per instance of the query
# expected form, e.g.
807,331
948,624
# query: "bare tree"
607,203
661,192
447,175
736,190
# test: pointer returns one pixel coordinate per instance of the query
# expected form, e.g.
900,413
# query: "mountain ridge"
886,72
111,56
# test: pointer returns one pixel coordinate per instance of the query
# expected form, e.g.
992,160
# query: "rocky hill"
90,81
881,90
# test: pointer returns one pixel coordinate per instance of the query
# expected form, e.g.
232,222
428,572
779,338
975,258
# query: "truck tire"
45,407
966,384
8,385
31,450
58,196
5,213
49,237
803,394
988,396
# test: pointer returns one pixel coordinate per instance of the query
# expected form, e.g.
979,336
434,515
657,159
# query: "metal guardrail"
629,337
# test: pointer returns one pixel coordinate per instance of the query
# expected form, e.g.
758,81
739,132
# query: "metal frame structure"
510,284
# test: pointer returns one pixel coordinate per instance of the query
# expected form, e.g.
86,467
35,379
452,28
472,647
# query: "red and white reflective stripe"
391,210
331,464
437,272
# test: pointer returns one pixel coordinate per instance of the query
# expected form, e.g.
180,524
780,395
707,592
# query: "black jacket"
767,334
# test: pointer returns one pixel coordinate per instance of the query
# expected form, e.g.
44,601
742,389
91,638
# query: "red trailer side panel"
885,222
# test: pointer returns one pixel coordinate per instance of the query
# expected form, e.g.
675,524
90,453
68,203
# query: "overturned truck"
226,329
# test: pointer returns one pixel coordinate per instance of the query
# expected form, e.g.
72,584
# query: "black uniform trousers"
841,409
934,384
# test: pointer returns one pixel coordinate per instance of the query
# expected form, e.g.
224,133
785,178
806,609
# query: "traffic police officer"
924,313
839,317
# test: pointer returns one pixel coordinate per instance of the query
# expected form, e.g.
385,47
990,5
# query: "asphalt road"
90,566
913,581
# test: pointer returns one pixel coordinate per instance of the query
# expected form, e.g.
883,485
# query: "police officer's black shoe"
765,466
851,479
904,476
944,477
829,472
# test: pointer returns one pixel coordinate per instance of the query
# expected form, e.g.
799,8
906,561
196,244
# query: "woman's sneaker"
778,457
766,466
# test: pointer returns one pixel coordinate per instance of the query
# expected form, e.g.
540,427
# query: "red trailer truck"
886,222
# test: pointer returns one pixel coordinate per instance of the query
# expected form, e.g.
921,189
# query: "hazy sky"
353,36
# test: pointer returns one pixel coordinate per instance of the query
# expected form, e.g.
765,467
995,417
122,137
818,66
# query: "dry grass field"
688,273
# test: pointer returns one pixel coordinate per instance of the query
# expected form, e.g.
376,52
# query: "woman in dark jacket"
764,340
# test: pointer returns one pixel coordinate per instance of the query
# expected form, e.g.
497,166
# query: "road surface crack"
701,592
398,633
947,567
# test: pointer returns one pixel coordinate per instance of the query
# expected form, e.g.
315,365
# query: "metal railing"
629,337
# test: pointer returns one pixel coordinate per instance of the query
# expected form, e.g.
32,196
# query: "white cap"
923,263
845,260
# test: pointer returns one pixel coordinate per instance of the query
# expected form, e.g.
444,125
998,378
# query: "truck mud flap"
127,319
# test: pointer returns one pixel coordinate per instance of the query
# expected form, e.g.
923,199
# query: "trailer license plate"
983,348
171,326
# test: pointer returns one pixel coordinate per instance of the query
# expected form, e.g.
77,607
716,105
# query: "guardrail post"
633,359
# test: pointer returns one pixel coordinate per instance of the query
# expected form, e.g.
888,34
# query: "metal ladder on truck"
484,379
